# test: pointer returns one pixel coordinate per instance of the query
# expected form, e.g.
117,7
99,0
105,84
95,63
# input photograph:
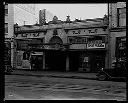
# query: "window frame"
118,16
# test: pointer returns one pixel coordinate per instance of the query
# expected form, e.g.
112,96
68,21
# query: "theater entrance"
73,61
55,60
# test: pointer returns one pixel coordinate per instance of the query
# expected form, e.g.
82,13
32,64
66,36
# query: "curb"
73,77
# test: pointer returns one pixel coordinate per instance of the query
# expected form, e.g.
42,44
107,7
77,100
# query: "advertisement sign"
95,44
53,46
30,35
23,44
77,40
91,31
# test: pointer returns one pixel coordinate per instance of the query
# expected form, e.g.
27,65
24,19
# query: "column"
44,61
67,63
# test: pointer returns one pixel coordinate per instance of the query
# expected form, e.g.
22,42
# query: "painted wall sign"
30,35
87,31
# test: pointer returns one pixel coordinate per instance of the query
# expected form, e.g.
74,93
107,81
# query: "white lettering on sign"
86,31
92,31
29,35
95,44
76,32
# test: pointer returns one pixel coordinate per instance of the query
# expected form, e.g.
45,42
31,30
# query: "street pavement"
33,87
76,75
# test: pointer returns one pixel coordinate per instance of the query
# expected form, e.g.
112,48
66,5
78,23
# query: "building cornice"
117,29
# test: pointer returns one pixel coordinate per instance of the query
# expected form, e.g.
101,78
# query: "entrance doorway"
97,61
74,61
36,62
55,60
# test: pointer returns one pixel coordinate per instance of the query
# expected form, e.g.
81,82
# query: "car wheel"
102,77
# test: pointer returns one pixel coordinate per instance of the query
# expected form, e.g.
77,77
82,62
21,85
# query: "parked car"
8,69
113,73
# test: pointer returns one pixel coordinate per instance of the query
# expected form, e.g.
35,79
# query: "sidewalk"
75,75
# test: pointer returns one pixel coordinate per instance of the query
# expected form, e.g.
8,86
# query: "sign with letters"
91,31
30,35
95,44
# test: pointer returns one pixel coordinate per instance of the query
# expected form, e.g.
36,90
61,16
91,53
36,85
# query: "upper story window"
6,11
6,27
121,16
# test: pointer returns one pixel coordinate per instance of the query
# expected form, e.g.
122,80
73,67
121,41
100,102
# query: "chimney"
42,17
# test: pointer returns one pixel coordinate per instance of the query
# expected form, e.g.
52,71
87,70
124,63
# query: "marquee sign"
47,46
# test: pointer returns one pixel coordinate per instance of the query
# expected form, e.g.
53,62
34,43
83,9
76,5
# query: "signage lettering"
76,32
56,47
96,44
77,40
93,31
28,35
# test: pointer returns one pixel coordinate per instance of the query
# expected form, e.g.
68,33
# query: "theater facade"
62,47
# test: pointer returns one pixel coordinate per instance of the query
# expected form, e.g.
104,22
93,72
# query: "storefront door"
97,61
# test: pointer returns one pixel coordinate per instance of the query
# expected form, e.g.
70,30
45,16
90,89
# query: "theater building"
63,46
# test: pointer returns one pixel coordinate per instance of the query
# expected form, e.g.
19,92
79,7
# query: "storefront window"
6,11
26,55
121,16
121,49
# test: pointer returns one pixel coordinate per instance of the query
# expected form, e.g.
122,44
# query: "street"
20,87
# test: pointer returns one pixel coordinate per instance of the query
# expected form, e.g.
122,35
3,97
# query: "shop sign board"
78,46
52,47
92,31
95,44
29,35
77,40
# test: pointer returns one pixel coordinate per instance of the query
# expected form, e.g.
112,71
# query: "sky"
78,11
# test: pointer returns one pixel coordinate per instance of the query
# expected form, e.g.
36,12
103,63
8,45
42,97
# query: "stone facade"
115,29
67,55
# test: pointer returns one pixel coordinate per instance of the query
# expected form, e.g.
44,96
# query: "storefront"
54,55
23,54
88,49
121,51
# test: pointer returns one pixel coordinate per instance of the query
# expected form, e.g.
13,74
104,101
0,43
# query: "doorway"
55,60
74,61
97,61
